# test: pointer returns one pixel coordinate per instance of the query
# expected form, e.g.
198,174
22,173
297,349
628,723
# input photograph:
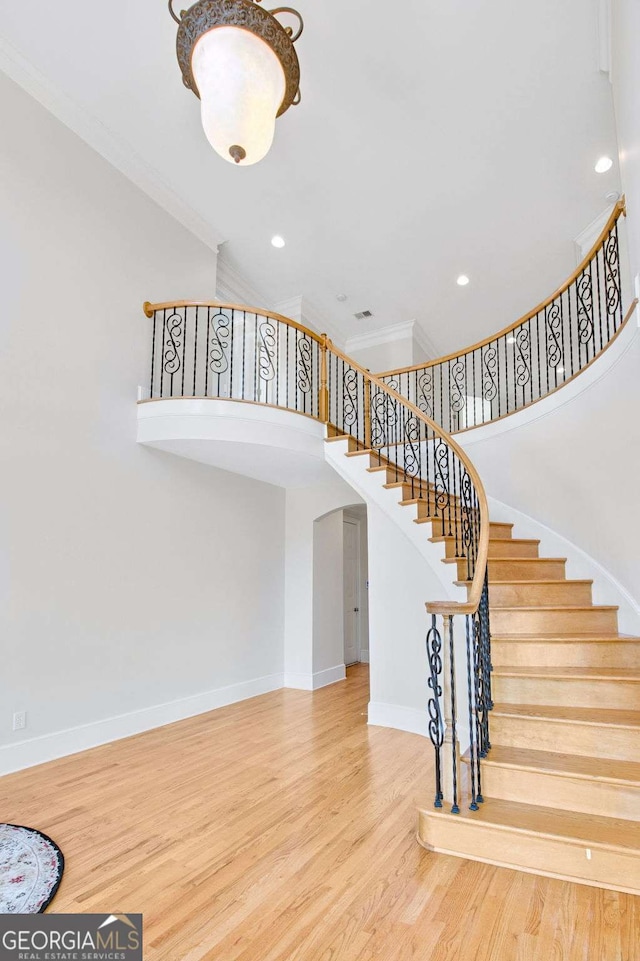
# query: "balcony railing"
233,353
538,354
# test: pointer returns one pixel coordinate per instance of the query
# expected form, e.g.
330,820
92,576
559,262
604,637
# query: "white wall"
387,356
572,462
128,578
625,74
400,581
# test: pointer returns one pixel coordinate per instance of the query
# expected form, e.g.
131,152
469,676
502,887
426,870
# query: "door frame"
357,523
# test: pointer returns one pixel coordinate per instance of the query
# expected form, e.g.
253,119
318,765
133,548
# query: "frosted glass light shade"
242,85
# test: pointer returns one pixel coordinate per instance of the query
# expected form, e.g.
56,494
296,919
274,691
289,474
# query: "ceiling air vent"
363,314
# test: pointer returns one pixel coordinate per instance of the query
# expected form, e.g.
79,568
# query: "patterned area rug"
31,867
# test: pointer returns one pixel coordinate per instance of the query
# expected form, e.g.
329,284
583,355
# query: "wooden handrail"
149,310
475,592
616,213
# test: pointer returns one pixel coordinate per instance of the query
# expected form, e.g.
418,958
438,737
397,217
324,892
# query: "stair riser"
437,511
530,852
564,593
566,621
559,791
539,570
568,737
500,548
555,653
567,692
511,548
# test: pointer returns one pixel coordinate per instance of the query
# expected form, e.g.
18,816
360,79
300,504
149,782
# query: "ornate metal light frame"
206,15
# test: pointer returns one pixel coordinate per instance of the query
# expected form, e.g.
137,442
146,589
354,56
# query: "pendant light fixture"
240,61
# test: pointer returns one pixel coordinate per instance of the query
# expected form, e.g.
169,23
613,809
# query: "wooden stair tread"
359,453
571,673
557,607
564,638
546,582
511,583
590,768
512,560
492,540
584,715
592,830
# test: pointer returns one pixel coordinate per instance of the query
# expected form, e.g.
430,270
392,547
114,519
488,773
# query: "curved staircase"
561,783
535,678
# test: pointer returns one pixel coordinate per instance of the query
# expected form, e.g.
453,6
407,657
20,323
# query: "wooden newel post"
367,413
323,397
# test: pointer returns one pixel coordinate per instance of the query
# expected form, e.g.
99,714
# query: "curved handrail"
149,309
531,358
475,591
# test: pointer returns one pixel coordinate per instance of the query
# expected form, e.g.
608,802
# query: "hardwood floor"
283,829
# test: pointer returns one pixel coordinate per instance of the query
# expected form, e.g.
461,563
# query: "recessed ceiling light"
341,298
604,164
462,280
560,370
511,340
277,241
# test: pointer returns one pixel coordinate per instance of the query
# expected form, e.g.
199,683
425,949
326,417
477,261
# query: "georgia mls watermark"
70,937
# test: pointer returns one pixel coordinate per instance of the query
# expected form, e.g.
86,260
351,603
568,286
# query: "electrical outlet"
19,720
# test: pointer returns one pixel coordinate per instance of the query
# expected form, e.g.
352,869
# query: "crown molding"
383,335
604,36
299,308
587,237
391,334
235,288
117,151
425,342
291,308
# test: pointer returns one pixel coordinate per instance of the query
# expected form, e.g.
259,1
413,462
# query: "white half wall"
129,579
399,580
269,444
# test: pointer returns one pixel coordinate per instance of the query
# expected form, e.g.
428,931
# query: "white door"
351,591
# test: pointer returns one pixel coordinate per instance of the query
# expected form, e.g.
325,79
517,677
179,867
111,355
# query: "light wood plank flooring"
283,829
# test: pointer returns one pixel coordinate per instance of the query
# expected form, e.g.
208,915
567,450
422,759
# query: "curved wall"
571,463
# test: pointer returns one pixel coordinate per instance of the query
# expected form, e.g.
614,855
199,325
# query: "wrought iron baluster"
455,809
153,353
612,273
436,724
232,343
474,758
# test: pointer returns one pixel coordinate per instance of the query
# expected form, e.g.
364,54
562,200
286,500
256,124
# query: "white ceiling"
433,138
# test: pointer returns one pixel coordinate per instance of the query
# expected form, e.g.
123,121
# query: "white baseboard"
364,656
401,718
311,682
48,747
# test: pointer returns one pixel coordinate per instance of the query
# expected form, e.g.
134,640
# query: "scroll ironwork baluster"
436,724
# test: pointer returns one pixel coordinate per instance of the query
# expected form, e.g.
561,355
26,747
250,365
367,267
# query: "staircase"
565,726
550,782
